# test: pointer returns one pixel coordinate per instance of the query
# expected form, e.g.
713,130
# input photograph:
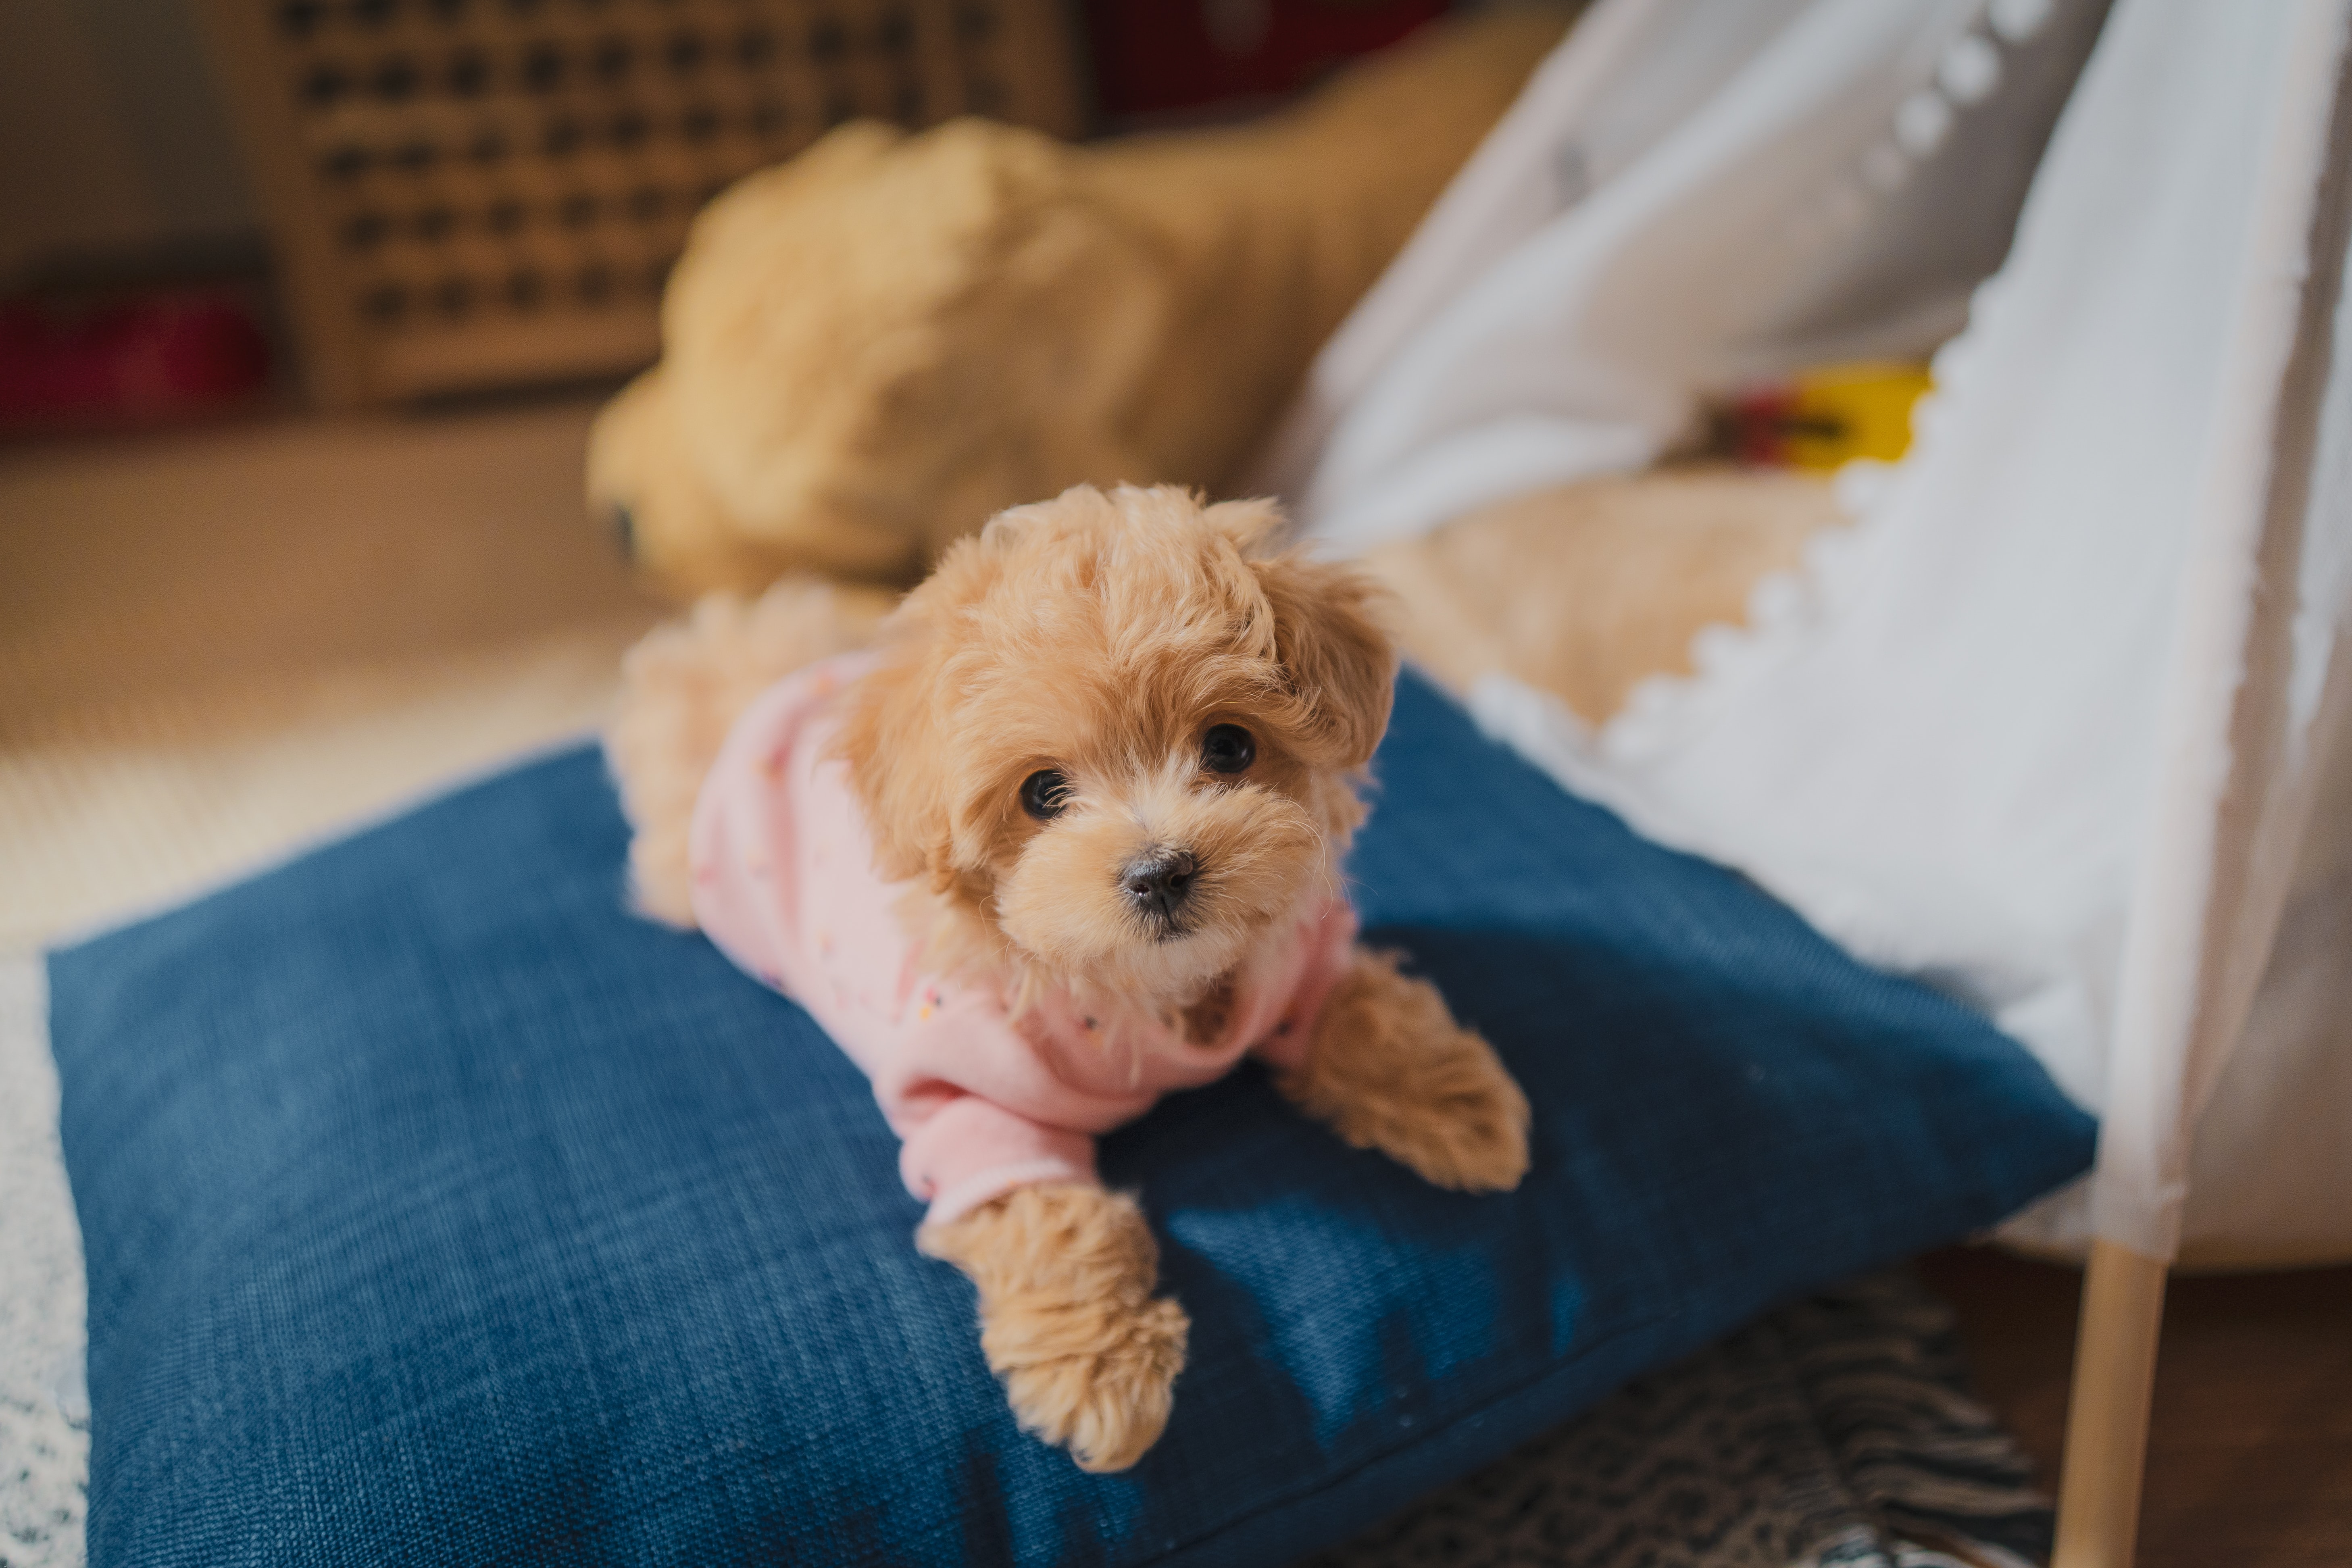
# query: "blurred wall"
115,157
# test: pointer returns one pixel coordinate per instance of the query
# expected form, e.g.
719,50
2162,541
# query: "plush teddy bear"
874,347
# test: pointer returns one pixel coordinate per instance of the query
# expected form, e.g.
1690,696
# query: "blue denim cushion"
437,1211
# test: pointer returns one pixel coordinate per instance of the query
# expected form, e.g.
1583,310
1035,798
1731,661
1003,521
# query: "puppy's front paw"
1390,1069
1100,1384
1087,1357
1469,1131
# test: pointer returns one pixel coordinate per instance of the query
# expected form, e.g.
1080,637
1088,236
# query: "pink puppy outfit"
784,884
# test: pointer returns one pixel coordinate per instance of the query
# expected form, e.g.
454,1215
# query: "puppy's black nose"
1159,881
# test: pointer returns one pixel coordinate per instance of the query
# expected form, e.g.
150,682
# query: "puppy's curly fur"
1410,1082
1100,637
684,684
1067,1319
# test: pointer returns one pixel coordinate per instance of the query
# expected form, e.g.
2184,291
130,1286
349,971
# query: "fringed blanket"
1833,1433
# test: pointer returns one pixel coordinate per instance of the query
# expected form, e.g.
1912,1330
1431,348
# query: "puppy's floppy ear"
896,735
1340,662
890,716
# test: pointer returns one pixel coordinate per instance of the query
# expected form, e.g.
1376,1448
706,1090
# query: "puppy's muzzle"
1160,881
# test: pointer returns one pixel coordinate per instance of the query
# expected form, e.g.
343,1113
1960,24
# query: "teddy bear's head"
872,349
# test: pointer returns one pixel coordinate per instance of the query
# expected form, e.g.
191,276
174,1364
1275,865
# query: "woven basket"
473,193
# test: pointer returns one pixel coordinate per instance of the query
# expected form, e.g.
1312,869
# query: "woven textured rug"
44,1409
1836,1433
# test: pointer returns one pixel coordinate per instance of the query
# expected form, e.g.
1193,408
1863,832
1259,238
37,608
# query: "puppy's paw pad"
1109,1403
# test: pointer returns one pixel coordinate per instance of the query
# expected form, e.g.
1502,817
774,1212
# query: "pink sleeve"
740,842
1329,944
971,1150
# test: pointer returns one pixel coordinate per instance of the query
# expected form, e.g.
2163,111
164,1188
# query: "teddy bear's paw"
1390,1069
1088,1356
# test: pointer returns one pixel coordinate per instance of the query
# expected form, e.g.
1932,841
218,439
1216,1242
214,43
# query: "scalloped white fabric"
1690,196
1939,741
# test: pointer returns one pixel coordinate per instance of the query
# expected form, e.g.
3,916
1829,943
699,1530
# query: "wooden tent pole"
2106,1414
2247,576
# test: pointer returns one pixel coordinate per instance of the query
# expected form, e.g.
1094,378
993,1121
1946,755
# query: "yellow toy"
870,350
1822,417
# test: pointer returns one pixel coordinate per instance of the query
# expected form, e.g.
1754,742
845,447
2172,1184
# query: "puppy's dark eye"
1045,794
1227,749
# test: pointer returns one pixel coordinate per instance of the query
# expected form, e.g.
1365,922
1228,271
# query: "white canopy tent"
2060,723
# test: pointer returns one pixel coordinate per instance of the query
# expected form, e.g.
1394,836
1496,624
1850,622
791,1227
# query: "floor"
216,644
2250,1458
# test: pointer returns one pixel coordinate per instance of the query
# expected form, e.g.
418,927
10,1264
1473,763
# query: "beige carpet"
216,646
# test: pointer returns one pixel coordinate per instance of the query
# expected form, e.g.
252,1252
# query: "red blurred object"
146,359
1756,426
1171,57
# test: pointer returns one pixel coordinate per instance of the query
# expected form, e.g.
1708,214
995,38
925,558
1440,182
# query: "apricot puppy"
1067,838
